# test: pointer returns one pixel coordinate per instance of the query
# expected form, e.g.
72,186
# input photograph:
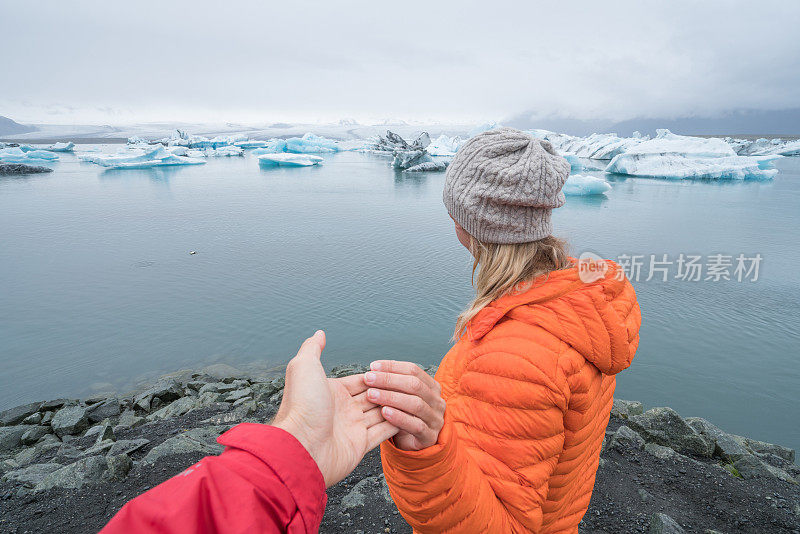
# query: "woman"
529,384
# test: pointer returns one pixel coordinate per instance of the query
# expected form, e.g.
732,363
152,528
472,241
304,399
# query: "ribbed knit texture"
503,184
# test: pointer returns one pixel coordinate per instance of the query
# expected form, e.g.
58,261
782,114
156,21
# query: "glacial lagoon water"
99,288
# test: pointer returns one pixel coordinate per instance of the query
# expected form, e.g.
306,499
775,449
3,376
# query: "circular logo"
591,267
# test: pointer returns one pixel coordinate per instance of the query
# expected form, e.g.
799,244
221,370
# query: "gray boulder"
762,447
75,475
101,432
724,445
11,436
751,467
222,372
625,409
127,421
29,455
165,390
659,451
55,404
14,416
363,490
624,438
664,426
239,394
664,524
198,440
33,419
31,475
34,434
70,420
104,410
127,446
118,466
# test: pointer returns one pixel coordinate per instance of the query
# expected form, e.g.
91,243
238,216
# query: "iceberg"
284,159
310,143
158,156
30,157
406,156
136,140
445,146
428,166
762,147
250,144
595,146
684,157
222,151
584,185
55,147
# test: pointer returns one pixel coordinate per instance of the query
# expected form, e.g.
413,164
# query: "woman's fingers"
410,404
413,425
404,368
408,384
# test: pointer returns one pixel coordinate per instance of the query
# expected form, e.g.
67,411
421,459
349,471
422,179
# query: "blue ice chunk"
158,156
288,160
584,185
311,143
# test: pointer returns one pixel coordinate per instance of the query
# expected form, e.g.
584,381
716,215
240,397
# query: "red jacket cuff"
290,462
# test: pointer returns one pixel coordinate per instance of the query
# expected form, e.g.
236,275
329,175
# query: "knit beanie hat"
502,186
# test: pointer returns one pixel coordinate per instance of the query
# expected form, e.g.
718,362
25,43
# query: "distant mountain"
740,122
10,127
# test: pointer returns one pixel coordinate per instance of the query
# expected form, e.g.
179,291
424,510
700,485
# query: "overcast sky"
264,61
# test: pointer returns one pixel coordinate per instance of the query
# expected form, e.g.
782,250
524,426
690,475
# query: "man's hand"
332,418
411,399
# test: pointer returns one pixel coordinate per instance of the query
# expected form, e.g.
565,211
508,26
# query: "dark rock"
127,446
239,394
625,409
104,410
33,419
11,436
664,524
762,447
752,467
118,466
10,169
14,416
164,391
32,474
102,432
55,404
222,372
624,437
724,445
76,475
665,427
127,421
46,418
70,420
201,440
34,434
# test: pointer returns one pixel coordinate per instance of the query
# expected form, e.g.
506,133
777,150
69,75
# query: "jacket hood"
600,319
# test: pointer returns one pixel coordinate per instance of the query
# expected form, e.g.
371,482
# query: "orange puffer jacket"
529,389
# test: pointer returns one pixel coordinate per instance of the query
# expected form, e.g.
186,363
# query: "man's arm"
264,482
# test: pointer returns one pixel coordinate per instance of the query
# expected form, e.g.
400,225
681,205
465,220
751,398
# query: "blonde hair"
503,269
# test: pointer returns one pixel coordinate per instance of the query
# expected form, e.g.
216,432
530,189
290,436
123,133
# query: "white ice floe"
445,145
678,156
55,147
284,159
271,147
29,157
136,140
248,143
584,185
158,156
763,147
595,146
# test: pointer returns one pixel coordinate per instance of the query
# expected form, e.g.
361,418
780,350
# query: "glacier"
585,185
285,159
158,156
684,157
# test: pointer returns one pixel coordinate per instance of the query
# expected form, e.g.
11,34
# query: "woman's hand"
411,399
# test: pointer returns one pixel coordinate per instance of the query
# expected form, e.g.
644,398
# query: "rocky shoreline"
68,465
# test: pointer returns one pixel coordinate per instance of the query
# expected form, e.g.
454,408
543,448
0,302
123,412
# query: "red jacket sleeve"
264,482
